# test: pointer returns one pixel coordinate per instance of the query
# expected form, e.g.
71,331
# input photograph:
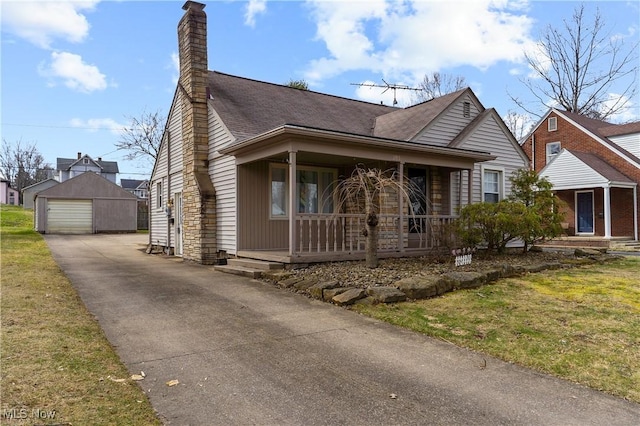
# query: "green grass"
55,358
580,324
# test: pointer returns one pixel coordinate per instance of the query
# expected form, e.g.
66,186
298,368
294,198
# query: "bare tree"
583,68
518,124
22,164
143,136
436,85
363,189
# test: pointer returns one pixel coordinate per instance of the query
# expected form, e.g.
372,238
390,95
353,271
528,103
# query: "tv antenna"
388,86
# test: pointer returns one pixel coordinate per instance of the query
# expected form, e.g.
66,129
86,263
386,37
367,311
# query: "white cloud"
96,124
408,39
75,74
254,8
626,114
373,92
41,22
175,67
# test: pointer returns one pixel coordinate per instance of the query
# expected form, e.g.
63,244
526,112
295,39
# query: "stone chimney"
198,194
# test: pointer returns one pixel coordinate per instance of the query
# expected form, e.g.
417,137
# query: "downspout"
533,151
635,212
168,191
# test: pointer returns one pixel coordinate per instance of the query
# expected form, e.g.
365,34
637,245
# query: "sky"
74,73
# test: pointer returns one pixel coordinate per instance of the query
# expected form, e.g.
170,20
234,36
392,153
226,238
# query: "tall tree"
436,85
518,124
143,136
22,164
582,68
298,84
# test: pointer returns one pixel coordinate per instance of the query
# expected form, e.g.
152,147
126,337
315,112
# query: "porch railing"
326,233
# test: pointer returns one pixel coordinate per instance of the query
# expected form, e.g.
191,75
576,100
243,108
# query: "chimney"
198,193
79,155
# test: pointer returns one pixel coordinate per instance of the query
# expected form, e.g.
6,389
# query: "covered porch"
298,220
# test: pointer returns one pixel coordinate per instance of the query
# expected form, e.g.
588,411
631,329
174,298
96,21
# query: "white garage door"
70,217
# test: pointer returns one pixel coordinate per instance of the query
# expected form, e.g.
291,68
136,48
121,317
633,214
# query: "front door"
584,212
178,223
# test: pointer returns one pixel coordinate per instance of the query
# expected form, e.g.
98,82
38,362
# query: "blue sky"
73,71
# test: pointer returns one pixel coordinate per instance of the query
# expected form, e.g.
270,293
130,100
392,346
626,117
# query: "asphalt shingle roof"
107,166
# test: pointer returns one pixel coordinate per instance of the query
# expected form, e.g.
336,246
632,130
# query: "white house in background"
71,167
8,195
139,188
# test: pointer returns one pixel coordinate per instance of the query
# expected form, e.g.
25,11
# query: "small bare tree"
143,136
364,189
436,85
22,164
579,66
518,124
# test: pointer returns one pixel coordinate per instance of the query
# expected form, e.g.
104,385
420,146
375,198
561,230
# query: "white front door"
177,214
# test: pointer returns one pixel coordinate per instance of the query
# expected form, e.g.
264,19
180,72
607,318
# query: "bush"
494,224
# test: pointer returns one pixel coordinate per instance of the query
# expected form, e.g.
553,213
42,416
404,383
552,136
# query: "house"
29,192
70,167
139,188
246,168
85,204
8,195
594,167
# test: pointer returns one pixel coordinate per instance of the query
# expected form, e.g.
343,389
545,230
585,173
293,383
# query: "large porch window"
314,190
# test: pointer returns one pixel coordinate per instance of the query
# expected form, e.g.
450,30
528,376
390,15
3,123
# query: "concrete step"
261,265
239,270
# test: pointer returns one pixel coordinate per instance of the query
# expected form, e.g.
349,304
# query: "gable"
573,170
86,185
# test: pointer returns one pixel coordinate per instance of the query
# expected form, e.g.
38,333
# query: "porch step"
239,270
260,265
251,268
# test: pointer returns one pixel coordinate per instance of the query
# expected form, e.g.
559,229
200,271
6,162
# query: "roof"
250,107
602,167
132,183
85,186
107,166
42,182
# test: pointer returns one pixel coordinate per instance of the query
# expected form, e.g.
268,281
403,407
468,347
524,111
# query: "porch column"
635,212
401,208
292,202
470,187
607,212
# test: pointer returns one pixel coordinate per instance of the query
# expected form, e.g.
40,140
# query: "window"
159,195
85,161
492,186
553,149
552,124
314,190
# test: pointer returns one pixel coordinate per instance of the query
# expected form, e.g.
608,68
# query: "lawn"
579,324
57,365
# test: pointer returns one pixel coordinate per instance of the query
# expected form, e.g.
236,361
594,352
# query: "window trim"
159,194
552,124
501,182
332,171
549,157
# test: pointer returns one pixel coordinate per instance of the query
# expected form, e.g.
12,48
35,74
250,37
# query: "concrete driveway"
245,352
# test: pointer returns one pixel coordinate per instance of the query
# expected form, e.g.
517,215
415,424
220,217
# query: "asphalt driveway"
245,352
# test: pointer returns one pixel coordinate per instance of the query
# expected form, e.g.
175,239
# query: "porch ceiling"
333,148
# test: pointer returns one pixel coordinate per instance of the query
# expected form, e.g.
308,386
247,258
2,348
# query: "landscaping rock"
385,294
316,291
509,271
419,287
365,301
330,293
304,284
535,268
492,275
290,282
586,252
465,279
349,297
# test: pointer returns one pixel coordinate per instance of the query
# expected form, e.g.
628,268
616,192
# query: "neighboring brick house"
246,168
594,167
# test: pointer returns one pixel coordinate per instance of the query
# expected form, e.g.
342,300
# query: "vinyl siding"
489,137
168,175
449,125
629,142
572,173
222,171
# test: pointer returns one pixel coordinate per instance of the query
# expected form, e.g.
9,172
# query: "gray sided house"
66,168
246,168
29,193
85,204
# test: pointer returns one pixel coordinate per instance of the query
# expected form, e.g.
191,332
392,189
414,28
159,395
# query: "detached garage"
85,204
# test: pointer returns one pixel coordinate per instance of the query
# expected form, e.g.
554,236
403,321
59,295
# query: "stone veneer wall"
199,203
